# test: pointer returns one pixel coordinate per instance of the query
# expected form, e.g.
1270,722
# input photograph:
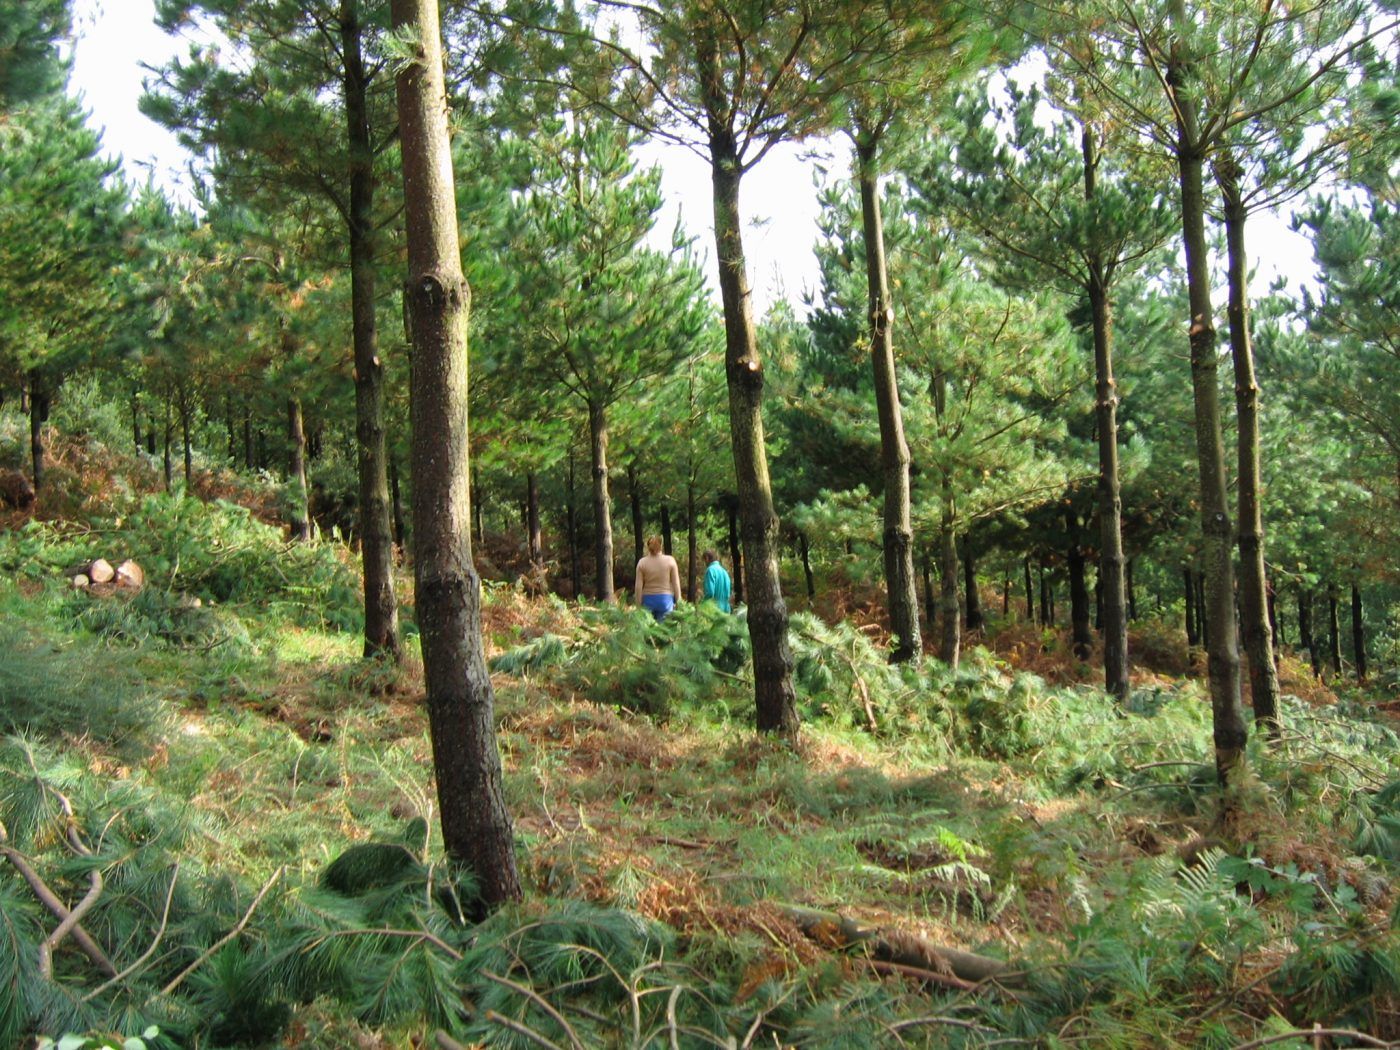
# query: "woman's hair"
654,544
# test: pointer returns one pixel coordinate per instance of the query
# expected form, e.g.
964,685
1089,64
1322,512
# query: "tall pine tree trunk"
639,526
1030,590
476,827
396,496
1334,631
1306,638
532,519
571,514
602,502
296,471
1223,663
38,416
972,600
186,447
1358,634
806,552
1193,630
950,638
1254,611
898,533
376,539
1081,633
1111,561
692,551
736,552
775,699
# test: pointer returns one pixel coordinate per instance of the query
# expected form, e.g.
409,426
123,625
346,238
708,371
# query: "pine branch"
50,900
242,923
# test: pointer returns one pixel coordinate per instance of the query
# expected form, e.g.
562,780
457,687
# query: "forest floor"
1006,809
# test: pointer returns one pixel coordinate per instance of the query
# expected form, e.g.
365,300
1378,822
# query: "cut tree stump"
899,947
101,571
130,575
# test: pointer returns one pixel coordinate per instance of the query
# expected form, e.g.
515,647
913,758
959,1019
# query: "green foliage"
50,688
155,615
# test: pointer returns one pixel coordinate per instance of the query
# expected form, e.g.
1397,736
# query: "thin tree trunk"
1223,662
1132,593
571,514
736,552
400,529
296,471
1081,634
479,507
167,438
1047,599
898,533
186,447
930,602
532,519
1358,635
950,640
376,539
136,420
1005,596
1334,631
476,826
1030,590
667,540
1275,627
634,500
1306,638
602,502
248,461
1114,615
1254,613
805,550
1193,631
972,603
775,699
692,550
228,430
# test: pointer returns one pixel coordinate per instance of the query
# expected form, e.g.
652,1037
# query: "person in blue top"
717,584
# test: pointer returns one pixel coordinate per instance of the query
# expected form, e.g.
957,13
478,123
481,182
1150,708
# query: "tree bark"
667,539
476,827
296,472
186,448
894,450
805,551
248,460
1114,616
1254,587
400,528
532,519
479,506
1132,593
376,540
136,420
1030,590
930,602
167,453
602,502
1358,634
972,600
571,514
1223,657
1081,633
950,640
775,699
1047,599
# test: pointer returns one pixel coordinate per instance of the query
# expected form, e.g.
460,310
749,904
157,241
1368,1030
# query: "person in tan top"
658,583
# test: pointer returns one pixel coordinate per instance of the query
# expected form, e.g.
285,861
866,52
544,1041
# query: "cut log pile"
99,577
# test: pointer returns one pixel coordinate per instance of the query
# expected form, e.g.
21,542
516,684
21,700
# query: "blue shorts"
659,605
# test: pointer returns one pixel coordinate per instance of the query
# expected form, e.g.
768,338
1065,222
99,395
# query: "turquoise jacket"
717,586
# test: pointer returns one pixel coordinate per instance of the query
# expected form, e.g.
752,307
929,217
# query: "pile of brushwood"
213,833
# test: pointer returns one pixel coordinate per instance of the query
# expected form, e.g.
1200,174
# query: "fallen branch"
920,973
241,925
521,1029
896,946
68,924
1315,1034
539,1001
155,943
50,900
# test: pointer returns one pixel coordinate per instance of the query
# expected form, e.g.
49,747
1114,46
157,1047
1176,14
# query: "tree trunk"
400,528
1030,590
692,551
930,602
894,450
476,827
1047,599
602,502
1081,633
1005,596
736,552
478,499
634,503
376,540
248,460
1254,613
186,448
167,439
1132,594
571,514
136,421
805,550
532,519
1114,615
232,456
1223,657
1358,635
950,640
1193,630
296,472
775,699
1306,638
1275,627
38,416
1334,631
667,540
972,602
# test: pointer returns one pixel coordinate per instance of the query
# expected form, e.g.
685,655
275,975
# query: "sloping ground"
212,766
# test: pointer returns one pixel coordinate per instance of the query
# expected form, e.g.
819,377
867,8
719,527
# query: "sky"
116,38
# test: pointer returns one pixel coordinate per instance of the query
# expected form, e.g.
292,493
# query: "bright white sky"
116,37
